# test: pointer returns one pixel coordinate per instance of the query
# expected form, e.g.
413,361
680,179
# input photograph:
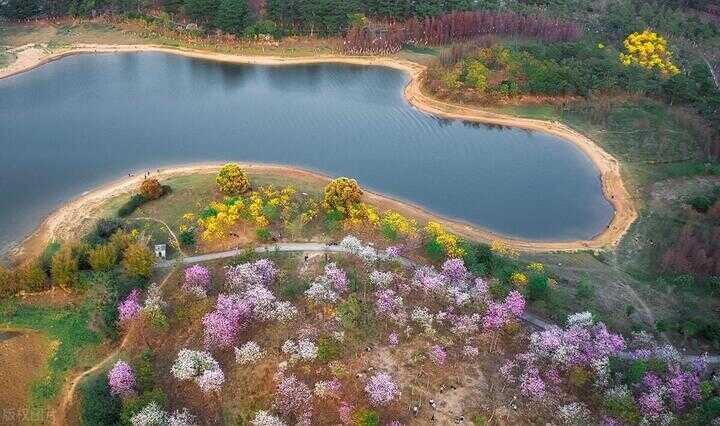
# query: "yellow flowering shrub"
518,279
359,214
648,50
226,215
501,249
262,207
446,240
341,194
394,224
536,267
231,179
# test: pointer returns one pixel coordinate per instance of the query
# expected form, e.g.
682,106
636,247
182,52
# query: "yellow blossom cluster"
648,50
446,240
359,213
500,248
536,267
399,224
518,279
262,207
341,194
225,215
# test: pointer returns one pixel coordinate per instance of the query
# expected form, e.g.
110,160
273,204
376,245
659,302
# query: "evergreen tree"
232,16
201,10
428,8
19,9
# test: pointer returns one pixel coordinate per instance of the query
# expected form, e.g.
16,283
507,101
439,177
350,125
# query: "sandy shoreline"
62,221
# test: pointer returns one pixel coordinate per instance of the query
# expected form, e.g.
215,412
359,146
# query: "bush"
623,408
8,282
366,417
144,372
584,290
98,405
64,269
341,194
187,237
263,234
231,180
47,255
333,219
32,277
106,227
475,74
151,189
434,251
701,203
103,258
138,260
263,26
131,205
328,349
537,288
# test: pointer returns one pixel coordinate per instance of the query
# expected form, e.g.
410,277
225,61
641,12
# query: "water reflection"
73,124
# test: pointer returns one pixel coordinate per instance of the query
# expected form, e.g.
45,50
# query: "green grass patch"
67,327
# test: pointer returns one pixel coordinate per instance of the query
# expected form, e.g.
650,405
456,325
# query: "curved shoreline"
607,166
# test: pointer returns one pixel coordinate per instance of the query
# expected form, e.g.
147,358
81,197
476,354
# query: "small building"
160,251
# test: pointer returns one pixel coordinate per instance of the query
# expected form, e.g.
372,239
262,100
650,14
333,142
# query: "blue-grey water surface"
68,126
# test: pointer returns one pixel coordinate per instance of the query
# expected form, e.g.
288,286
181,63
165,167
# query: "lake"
76,123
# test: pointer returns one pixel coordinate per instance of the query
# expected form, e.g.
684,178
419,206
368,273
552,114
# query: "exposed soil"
22,355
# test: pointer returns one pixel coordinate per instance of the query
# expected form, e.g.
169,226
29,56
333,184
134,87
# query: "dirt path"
608,167
68,396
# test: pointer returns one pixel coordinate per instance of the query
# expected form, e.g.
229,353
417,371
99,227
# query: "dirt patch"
22,356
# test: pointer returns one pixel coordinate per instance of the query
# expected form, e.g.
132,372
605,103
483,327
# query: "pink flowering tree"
220,327
381,389
583,347
197,280
121,379
130,307
293,397
437,355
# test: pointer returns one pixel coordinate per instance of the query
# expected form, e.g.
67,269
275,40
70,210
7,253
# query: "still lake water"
73,124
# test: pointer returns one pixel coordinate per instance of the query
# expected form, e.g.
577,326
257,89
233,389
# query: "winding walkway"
321,247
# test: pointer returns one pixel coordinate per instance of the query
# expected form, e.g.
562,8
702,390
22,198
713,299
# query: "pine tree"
232,16
201,10
19,9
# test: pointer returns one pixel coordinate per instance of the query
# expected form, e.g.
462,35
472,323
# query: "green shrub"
187,237
585,290
349,312
537,288
103,258
263,234
636,371
328,349
64,268
8,282
104,229
623,408
98,406
333,219
711,407
144,371
32,277
131,205
366,417
434,251
47,255
475,74
701,203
